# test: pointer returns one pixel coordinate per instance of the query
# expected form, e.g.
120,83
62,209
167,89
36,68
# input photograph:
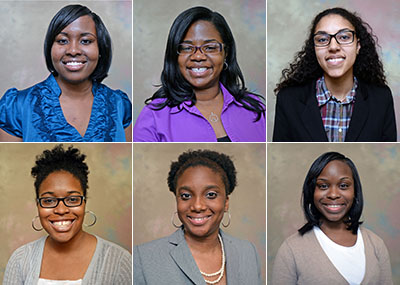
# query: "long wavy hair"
176,89
311,212
367,67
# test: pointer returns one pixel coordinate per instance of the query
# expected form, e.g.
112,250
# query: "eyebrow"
82,34
341,30
206,41
343,178
69,192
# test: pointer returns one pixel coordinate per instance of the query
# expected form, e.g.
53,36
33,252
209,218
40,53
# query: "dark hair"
176,89
217,162
305,67
59,159
311,212
66,16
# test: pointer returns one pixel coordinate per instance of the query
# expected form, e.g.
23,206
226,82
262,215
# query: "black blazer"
298,118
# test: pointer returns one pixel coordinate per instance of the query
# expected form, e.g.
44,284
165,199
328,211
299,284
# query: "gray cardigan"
169,261
301,260
110,264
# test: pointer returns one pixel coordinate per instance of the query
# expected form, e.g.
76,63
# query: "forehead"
199,174
332,23
337,168
202,30
60,183
83,24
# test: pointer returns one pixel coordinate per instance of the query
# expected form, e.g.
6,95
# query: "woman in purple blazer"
203,97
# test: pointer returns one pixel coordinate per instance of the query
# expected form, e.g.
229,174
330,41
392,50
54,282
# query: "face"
75,51
202,71
62,223
334,191
336,60
201,201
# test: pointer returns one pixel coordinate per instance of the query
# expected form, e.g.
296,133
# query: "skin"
333,197
205,84
338,75
68,249
77,42
200,193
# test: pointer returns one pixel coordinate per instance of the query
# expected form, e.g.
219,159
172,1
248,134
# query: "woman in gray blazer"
199,252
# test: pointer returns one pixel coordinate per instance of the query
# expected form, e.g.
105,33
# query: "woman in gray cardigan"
199,252
68,255
332,248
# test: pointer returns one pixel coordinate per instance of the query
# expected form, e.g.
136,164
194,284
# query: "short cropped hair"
217,162
60,159
66,16
311,212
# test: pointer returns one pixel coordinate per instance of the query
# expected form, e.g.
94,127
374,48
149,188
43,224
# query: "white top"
59,282
349,261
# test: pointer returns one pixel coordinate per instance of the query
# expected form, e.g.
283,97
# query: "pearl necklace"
220,272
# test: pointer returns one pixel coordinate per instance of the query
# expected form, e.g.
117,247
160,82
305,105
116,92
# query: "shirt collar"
324,95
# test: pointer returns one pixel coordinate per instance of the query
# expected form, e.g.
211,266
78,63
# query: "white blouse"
59,282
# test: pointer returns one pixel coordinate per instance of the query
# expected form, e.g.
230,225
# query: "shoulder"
374,91
297,93
298,242
371,237
152,246
111,249
104,90
241,244
26,253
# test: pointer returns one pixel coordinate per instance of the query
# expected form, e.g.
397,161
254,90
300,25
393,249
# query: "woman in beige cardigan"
332,248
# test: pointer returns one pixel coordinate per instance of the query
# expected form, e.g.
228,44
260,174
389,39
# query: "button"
340,130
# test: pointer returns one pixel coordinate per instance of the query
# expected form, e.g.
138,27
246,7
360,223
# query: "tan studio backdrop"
379,168
109,194
154,204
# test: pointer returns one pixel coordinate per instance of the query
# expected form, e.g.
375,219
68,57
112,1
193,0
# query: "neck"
208,96
75,244
79,90
340,87
203,244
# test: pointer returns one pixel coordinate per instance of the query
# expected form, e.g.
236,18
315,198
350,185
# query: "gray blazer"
169,261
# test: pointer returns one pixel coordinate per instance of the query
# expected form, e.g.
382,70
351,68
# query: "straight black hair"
66,16
311,212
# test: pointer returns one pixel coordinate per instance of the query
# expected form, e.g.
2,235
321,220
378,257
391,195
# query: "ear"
226,208
358,46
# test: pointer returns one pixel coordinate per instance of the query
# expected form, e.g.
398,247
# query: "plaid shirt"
335,114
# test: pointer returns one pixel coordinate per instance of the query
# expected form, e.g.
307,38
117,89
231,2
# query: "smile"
74,65
63,225
198,71
335,59
334,208
199,221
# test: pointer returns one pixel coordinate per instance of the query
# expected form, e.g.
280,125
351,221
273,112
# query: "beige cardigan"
301,260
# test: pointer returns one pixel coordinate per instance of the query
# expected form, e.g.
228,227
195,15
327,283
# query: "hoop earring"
225,65
94,219
33,224
173,222
229,221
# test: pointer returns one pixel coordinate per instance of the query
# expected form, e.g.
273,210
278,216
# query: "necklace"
220,272
213,117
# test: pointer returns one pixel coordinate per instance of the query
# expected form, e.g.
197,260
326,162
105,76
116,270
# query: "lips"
62,225
335,60
334,208
199,221
74,65
198,71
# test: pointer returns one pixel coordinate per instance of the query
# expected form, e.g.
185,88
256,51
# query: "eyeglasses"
343,37
52,202
208,48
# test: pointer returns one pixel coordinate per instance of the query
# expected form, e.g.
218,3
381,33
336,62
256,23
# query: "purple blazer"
186,124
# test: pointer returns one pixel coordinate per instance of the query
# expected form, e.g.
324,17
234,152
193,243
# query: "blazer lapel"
183,257
359,116
232,265
311,116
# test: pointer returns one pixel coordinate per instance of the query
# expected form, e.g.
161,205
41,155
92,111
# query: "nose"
333,192
61,208
198,204
334,45
198,54
73,48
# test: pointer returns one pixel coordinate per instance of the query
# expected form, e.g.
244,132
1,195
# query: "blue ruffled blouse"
35,114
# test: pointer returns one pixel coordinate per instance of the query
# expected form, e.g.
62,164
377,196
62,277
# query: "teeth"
201,69
335,59
199,219
334,206
74,63
62,223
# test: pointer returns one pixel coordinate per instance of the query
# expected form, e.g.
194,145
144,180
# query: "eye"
344,186
62,41
48,201
73,199
185,196
210,48
184,48
86,41
322,186
212,195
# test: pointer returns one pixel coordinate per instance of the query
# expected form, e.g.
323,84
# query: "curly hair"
176,89
310,210
217,162
367,67
59,159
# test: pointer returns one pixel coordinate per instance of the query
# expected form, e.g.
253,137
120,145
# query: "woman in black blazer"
335,89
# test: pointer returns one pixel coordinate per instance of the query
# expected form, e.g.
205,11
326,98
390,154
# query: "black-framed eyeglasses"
343,37
208,48
70,201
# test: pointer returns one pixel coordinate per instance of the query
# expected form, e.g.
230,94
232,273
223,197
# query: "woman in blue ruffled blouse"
71,104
